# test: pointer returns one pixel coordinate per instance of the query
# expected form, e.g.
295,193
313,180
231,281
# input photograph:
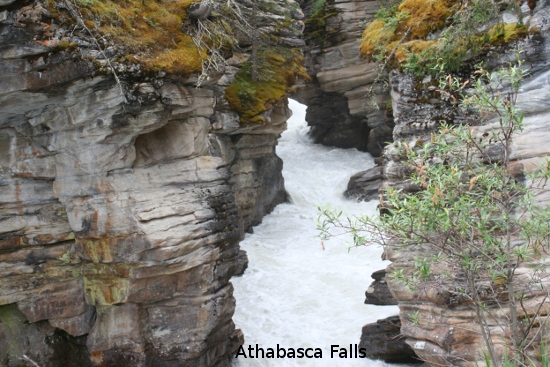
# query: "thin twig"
370,91
25,357
80,21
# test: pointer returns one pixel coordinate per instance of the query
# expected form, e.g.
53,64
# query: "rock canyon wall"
122,201
345,107
448,332
341,113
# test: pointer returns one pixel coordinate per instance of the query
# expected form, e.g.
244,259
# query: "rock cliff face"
122,202
340,115
448,333
345,109
121,206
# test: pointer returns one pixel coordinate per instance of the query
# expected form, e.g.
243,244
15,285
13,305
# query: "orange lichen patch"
374,35
98,250
413,20
278,71
150,30
426,16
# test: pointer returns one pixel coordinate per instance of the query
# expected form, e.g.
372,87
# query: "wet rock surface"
383,340
364,185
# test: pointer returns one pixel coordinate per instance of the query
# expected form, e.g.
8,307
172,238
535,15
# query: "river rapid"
299,292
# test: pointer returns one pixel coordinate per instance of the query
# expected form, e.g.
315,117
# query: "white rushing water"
296,293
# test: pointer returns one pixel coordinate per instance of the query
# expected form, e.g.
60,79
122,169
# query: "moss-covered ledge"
426,37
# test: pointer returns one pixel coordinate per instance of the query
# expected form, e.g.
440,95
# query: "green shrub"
469,214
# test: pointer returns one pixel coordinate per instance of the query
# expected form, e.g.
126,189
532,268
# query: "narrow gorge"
138,147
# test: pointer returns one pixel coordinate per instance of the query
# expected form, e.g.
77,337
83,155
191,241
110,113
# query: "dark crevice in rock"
39,341
68,350
332,125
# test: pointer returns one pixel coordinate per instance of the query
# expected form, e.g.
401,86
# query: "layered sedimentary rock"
445,331
346,108
122,202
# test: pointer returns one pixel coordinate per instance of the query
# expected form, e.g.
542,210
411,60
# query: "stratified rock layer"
345,108
121,206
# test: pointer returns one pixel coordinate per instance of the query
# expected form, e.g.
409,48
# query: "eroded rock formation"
345,107
340,115
364,185
121,205
378,292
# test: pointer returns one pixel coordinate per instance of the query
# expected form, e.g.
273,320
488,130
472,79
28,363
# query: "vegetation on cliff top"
258,87
150,31
160,36
426,35
316,24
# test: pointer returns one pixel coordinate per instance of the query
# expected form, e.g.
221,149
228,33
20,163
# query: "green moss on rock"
151,31
505,33
400,33
316,24
277,71
411,20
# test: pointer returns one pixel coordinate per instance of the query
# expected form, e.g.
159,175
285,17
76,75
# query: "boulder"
364,185
378,292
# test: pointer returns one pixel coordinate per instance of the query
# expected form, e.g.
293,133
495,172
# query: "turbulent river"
298,292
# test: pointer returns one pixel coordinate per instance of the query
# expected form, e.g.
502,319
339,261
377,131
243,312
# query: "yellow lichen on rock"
418,47
425,16
506,32
106,290
183,59
412,20
400,34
